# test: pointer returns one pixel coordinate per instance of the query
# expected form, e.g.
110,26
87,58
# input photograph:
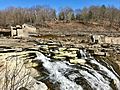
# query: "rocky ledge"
24,66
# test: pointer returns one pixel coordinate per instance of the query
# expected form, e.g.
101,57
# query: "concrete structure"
112,40
5,32
97,38
22,31
100,39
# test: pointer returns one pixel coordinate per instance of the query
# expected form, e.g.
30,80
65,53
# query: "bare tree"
66,14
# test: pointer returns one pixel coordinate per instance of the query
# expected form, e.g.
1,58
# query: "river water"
93,75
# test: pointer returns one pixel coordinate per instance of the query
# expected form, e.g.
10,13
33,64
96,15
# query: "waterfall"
84,54
80,77
53,68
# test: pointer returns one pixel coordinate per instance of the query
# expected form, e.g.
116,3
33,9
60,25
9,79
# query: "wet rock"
18,49
113,84
81,81
43,47
52,86
59,58
99,54
62,49
52,43
23,88
91,50
55,73
78,61
73,49
105,45
7,50
5,47
67,54
52,47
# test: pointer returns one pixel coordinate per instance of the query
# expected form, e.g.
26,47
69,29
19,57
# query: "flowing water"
93,75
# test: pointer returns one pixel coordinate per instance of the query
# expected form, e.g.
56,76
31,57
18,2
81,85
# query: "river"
93,75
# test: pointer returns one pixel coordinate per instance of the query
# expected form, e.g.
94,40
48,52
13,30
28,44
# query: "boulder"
16,72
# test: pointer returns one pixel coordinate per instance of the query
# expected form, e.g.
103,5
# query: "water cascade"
91,76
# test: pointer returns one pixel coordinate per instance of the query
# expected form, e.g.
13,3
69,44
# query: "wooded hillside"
38,15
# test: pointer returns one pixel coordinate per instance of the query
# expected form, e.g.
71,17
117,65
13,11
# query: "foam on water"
83,55
94,78
53,68
109,73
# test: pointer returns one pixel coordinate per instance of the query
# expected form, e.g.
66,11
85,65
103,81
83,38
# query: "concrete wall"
29,28
112,40
22,31
105,39
13,31
98,38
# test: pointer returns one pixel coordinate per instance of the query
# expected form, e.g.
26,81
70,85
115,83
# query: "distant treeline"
39,14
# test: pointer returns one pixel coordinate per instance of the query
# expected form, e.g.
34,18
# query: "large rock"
67,54
78,61
16,71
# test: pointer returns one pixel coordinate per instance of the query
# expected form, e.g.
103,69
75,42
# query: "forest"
37,15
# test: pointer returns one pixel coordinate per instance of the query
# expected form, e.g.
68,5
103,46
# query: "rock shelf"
26,52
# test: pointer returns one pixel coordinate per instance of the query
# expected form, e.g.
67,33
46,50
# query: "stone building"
112,40
97,38
24,30
5,32
100,39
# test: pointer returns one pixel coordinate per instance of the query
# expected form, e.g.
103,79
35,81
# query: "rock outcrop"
17,71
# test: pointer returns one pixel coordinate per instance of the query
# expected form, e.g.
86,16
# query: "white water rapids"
72,77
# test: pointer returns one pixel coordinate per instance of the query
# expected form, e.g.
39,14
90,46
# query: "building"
97,39
24,30
100,39
5,32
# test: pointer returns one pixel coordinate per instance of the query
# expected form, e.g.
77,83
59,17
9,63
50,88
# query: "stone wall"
100,39
29,28
112,40
22,31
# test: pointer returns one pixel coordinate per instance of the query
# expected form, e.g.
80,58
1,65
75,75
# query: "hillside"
76,28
